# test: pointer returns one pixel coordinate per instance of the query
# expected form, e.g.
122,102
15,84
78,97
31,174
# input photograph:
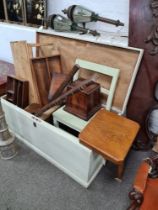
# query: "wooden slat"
21,56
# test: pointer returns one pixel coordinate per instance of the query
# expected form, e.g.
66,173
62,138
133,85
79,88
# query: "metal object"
7,140
61,24
8,151
3,124
4,135
80,14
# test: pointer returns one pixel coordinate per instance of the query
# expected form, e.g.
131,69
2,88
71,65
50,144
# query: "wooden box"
86,102
17,91
56,145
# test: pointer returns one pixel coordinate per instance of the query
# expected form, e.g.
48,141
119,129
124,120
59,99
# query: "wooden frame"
14,11
35,12
2,10
25,12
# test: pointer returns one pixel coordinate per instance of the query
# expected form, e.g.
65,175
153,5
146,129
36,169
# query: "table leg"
120,169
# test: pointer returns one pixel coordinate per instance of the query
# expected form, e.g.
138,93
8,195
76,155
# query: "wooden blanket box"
56,145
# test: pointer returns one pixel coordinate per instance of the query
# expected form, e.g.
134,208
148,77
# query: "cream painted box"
56,145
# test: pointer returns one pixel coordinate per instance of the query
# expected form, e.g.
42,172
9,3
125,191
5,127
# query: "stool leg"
56,123
120,169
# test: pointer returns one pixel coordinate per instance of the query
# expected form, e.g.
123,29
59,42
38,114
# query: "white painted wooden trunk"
57,146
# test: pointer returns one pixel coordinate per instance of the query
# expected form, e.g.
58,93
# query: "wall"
10,32
110,8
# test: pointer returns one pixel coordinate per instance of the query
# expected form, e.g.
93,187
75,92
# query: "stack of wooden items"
41,85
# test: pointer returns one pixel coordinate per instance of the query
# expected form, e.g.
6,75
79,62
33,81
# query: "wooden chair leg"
120,170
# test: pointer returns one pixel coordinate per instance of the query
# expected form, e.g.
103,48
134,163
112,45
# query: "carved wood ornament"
153,36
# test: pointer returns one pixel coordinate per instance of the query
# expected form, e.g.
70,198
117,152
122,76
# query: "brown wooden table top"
110,135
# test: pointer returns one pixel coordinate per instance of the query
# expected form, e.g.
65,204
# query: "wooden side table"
111,136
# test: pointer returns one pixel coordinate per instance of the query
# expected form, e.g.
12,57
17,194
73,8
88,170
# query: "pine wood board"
21,56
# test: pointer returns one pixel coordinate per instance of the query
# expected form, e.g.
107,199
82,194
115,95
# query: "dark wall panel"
141,23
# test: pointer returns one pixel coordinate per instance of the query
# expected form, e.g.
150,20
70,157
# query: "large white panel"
59,147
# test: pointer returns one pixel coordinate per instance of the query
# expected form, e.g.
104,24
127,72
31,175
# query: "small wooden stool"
111,136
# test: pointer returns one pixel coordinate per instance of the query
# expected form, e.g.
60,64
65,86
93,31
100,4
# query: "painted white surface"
115,9
57,146
68,119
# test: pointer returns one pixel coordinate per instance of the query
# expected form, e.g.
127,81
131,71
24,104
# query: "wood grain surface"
141,23
126,60
21,56
110,135
86,102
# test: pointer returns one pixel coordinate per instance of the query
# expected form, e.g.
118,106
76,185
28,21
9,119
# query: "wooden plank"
21,56
41,77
